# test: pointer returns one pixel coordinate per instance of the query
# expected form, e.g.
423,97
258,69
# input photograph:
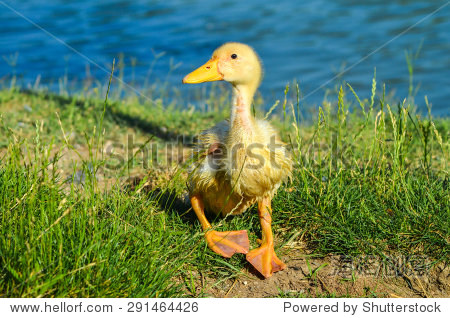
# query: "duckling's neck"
241,116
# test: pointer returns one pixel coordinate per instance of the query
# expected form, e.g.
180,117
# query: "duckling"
240,161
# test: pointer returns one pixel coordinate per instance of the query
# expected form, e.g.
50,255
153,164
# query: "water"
307,41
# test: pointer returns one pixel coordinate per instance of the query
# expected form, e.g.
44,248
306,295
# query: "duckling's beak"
206,73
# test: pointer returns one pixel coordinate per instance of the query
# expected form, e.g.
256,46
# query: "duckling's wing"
212,139
209,144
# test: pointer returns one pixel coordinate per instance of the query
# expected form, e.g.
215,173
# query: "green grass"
371,179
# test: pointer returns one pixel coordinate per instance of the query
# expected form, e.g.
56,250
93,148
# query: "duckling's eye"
234,56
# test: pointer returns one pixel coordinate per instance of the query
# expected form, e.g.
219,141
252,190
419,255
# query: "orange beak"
206,73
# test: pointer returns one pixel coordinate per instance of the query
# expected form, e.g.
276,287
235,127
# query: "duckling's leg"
223,243
263,258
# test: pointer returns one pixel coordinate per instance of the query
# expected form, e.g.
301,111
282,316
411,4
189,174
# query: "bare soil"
339,276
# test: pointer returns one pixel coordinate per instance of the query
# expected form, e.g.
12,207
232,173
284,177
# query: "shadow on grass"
167,200
116,115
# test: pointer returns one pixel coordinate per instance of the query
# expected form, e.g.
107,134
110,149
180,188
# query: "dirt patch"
341,277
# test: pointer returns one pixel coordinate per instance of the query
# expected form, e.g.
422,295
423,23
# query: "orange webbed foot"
228,243
265,260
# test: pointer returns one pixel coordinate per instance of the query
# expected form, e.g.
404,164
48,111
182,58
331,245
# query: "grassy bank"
92,196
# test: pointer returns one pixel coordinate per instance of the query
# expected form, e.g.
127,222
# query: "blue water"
307,41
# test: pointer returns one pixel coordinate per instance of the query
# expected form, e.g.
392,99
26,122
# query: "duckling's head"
236,63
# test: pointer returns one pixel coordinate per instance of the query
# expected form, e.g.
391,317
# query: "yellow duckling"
240,161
